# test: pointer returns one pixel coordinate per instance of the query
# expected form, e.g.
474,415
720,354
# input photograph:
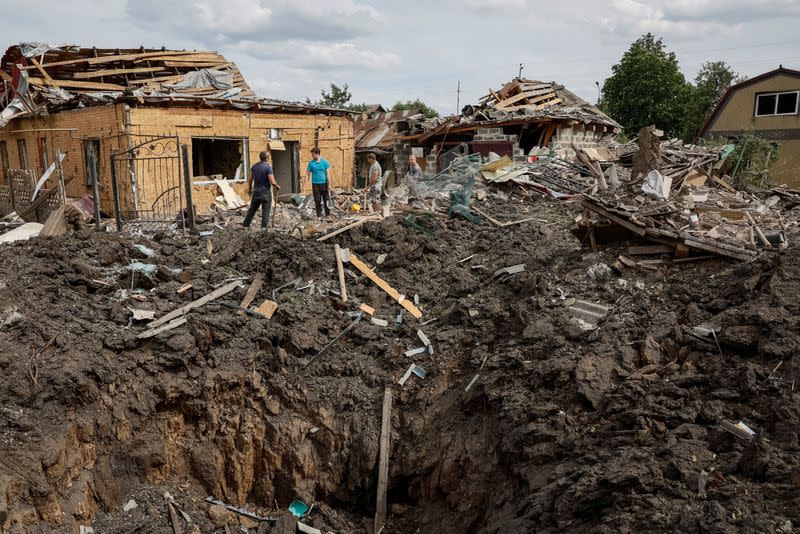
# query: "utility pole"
520,71
458,98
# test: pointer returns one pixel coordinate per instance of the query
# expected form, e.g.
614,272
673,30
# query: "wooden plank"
173,518
252,291
348,227
163,328
616,219
41,70
267,308
220,291
78,84
366,308
340,268
55,225
157,80
201,64
196,57
511,100
488,217
114,72
646,250
114,57
383,461
6,76
392,292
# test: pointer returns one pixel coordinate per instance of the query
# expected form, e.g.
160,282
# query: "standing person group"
319,171
260,184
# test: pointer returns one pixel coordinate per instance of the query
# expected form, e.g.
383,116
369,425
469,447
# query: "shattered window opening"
768,104
219,158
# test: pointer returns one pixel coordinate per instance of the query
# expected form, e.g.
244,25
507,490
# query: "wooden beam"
646,250
41,70
348,227
383,462
252,291
114,72
114,57
340,267
77,84
392,292
224,290
6,76
163,328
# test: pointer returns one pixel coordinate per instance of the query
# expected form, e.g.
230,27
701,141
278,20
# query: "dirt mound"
568,426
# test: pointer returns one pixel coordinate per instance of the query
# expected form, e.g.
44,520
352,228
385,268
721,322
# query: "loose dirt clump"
568,427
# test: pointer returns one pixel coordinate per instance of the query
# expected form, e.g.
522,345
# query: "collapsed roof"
519,101
377,130
37,78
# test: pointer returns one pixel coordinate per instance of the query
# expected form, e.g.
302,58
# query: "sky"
389,50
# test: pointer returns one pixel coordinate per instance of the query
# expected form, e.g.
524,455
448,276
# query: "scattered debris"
415,369
740,430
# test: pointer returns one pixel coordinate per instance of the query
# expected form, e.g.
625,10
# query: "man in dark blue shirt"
259,185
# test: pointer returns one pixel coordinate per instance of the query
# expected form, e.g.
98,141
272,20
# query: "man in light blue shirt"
319,172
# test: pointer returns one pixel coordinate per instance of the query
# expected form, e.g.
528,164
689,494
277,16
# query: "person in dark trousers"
319,171
260,184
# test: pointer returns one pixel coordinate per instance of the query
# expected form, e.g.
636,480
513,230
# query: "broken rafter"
115,72
77,84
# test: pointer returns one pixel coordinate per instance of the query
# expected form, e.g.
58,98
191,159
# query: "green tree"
647,87
338,97
418,104
711,82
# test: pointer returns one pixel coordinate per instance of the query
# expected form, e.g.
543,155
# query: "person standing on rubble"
414,170
319,172
260,184
375,181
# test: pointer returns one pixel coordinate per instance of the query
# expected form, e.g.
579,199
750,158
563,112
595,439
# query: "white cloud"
739,10
495,4
348,55
262,20
634,17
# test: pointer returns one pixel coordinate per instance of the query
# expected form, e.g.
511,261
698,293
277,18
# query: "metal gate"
149,186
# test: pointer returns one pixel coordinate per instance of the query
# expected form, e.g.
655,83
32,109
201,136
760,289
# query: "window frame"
4,162
245,159
22,148
777,95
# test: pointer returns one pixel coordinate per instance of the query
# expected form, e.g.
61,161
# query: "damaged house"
123,117
378,131
513,121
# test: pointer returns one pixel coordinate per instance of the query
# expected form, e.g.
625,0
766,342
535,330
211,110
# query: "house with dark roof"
767,104
120,118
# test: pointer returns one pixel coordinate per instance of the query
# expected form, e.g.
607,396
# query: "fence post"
96,195
188,184
115,191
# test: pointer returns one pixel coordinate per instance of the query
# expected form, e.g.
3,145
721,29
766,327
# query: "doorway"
286,166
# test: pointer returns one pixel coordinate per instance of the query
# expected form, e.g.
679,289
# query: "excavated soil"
565,430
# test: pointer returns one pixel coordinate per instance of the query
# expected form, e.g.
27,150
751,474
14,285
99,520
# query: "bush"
749,162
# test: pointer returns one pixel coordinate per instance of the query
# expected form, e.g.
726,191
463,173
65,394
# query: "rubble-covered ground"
566,429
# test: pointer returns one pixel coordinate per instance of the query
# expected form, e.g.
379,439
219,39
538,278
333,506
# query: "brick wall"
336,139
65,132
582,136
